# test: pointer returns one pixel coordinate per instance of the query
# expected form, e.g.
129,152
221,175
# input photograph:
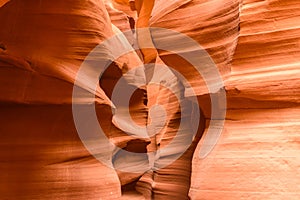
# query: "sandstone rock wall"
257,156
255,46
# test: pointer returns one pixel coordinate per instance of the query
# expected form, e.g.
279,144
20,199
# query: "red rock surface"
254,44
258,154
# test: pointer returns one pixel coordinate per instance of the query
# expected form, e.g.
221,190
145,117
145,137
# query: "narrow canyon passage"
161,131
81,119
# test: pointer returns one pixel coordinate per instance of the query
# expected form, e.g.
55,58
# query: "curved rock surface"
257,155
43,46
255,45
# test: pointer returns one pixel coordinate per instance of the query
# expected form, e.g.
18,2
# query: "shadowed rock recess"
254,44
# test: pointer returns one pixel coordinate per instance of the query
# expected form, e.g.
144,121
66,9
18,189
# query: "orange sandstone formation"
255,45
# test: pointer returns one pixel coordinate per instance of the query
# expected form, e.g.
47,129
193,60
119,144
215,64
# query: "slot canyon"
150,99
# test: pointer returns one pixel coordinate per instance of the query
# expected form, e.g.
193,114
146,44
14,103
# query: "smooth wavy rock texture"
254,44
44,44
257,156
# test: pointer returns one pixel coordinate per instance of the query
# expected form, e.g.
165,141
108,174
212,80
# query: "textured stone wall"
255,45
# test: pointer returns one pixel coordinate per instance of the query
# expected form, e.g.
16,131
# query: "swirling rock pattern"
256,158
254,44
